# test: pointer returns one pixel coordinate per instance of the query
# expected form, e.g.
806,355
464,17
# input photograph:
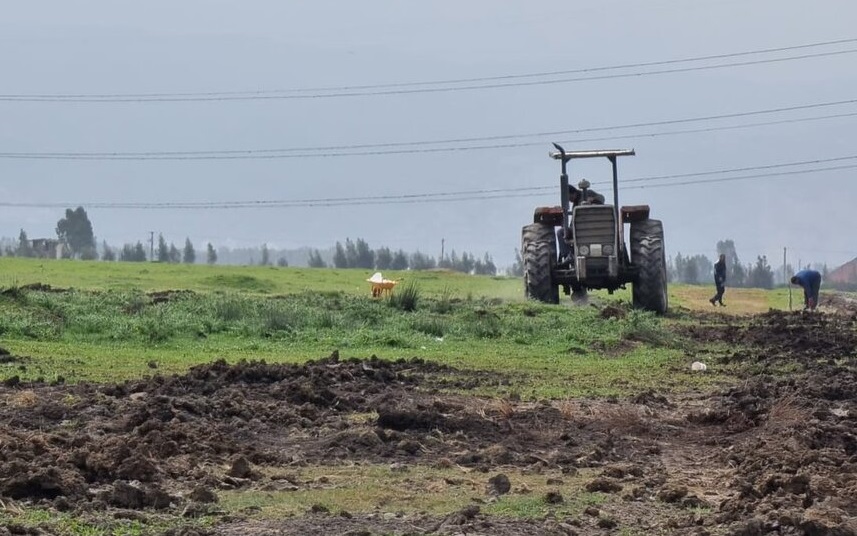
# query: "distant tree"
691,271
25,249
421,261
126,254
670,270
400,261
466,263
75,231
266,256
485,266
365,257
139,252
135,253
517,269
678,267
705,268
163,249
210,254
735,274
189,256
761,275
107,253
451,261
488,263
383,258
282,262
446,261
315,260
350,254
340,259
175,254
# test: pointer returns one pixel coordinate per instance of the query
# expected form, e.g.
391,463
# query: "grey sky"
108,46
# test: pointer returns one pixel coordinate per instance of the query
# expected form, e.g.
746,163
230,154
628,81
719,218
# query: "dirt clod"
605,485
240,468
499,484
554,497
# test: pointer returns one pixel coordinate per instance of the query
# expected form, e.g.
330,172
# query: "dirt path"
775,454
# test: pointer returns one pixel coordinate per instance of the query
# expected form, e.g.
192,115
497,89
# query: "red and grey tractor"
580,245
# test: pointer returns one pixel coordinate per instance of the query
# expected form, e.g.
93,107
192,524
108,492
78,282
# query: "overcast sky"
201,46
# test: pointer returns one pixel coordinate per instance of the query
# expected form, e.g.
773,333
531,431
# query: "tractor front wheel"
648,254
538,254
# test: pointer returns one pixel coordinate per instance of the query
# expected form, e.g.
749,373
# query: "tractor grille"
597,267
594,224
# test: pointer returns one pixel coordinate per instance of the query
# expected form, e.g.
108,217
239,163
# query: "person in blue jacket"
810,281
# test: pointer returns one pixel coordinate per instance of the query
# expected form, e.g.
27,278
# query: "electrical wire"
387,148
470,195
447,81
238,96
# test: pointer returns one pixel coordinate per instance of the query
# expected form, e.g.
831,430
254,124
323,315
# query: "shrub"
406,297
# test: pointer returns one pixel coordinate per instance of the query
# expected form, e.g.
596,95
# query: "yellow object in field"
381,285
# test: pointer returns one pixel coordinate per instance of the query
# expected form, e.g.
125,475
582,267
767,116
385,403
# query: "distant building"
845,274
46,248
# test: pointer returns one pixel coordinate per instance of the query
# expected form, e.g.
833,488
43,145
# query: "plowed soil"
774,454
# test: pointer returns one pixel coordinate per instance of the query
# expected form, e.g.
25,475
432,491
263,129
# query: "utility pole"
151,246
442,240
786,278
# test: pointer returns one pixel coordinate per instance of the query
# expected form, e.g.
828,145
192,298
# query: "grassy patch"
545,350
63,524
364,489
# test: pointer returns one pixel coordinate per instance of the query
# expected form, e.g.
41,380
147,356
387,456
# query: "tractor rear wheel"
648,254
538,254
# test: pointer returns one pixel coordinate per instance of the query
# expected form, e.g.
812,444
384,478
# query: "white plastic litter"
697,366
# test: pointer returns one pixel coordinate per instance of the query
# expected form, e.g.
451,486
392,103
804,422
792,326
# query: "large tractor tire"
647,253
538,253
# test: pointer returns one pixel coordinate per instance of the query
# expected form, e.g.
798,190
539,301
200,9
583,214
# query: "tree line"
699,269
358,254
76,239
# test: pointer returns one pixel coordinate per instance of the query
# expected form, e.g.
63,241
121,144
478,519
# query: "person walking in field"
810,281
719,280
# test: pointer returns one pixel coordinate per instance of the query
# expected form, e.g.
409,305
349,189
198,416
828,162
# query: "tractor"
580,245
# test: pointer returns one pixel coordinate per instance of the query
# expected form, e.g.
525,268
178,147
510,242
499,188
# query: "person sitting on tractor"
810,281
576,197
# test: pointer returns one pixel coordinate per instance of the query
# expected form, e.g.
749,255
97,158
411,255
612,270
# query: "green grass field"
107,326
110,322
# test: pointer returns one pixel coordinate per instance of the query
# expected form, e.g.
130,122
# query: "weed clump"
406,297
643,326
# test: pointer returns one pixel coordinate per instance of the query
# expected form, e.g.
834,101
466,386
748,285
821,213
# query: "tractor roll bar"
611,155
568,155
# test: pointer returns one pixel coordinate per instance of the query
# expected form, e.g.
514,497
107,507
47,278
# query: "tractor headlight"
584,250
607,249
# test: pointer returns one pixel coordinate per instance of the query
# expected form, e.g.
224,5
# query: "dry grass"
568,408
498,407
786,413
620,418
739,301
23,399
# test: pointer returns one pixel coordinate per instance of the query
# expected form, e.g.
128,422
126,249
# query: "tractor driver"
576,197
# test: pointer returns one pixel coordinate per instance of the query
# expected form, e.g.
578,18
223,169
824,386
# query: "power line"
467,195
392,147
226,96
442,82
